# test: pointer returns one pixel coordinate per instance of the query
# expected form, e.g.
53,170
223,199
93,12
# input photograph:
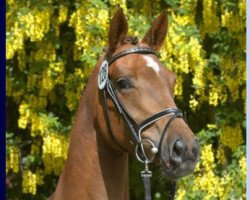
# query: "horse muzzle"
179,159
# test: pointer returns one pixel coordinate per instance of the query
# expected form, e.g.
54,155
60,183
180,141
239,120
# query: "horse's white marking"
151,63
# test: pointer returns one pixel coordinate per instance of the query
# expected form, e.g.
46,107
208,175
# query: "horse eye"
124,83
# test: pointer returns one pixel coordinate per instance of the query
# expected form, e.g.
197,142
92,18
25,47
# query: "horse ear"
157,33
117,31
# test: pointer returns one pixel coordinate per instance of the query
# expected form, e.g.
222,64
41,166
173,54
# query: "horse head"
140,86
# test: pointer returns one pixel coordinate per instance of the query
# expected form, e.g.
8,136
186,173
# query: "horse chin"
172,172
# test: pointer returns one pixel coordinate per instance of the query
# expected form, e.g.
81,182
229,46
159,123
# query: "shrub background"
51,48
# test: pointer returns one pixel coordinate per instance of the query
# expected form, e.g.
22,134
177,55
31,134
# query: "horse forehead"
151,63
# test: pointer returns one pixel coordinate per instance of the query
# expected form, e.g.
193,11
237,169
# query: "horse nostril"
181,153
178,152
179,148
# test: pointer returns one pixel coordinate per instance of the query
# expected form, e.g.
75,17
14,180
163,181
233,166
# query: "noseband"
106,86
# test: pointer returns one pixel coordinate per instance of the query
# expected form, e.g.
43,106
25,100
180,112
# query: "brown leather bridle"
106,86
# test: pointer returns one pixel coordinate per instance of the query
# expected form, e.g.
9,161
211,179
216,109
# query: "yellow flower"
213,97
242,8
243,165
207,157
193,103
10,2
46,51
206,180
184,64
211,126
36,24
14,40
231,136
24,118
14,158
63,13
211,23
181,193
221,156
29,182
232,21
234,74
178,88
39,177
55,149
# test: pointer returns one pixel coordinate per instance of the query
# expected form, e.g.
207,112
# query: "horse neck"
93,170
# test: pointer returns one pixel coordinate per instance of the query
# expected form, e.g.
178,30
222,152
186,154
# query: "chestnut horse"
127,108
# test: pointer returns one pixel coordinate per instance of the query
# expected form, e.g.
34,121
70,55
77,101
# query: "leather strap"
158,116
177,114
107,118
141,50
129,120
172,191
147,187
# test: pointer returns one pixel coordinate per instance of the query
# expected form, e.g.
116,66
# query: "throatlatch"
106,86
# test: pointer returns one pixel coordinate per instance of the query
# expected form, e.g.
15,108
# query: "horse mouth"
174,172
170,168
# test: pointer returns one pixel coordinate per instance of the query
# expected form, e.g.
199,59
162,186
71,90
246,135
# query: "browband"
141,50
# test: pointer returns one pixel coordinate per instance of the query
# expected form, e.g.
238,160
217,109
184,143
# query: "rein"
106,87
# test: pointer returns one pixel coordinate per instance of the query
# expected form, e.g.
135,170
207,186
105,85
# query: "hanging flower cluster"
231,136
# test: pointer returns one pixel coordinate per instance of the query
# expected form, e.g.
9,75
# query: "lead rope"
146,175
172,191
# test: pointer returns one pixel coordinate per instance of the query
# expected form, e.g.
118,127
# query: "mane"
127,40
131,40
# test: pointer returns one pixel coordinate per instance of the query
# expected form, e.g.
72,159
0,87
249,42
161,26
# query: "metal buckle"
146,172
